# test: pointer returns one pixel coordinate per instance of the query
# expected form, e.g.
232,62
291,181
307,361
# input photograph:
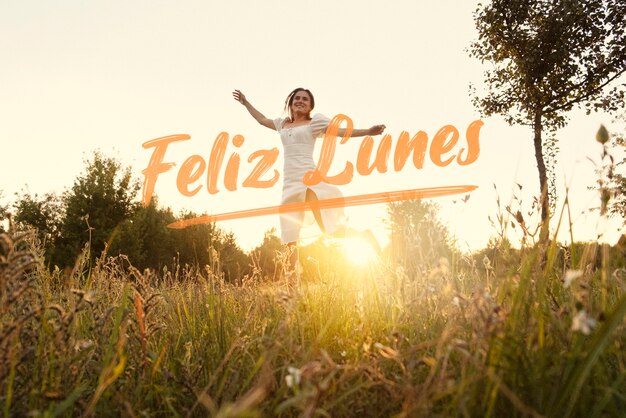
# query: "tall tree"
101,198
549,56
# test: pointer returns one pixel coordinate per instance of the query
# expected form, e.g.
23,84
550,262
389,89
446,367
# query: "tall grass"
494,335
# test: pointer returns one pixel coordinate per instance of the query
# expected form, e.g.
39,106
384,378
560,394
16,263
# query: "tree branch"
584,96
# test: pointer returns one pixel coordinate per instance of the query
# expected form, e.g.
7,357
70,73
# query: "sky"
110,75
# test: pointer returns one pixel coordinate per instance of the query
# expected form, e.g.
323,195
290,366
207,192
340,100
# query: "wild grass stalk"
532,332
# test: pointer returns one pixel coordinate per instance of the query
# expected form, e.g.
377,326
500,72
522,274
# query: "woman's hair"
289,101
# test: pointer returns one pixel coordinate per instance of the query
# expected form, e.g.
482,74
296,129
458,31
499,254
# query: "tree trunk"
543,178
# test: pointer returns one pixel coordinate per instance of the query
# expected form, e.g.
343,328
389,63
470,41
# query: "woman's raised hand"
376,130
258,116
239,96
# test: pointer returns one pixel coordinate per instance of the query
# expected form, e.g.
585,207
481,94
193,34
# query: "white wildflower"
487,263
583,323
619,274
83,345
293,377
570,276
456,301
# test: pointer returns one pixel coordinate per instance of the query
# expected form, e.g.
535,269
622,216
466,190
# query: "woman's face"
301,103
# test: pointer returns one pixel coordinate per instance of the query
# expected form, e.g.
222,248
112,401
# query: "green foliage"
547,57
145,239
418,238
208,245
3,211
102,197
45,214
617,171
147,242
267,257
100,210
235,263
3,208
611,181
551,56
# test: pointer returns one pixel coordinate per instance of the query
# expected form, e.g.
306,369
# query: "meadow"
536,331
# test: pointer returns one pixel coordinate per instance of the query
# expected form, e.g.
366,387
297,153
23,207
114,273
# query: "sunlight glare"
358,251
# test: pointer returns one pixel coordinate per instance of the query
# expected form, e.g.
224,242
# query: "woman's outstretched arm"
374,130
258,116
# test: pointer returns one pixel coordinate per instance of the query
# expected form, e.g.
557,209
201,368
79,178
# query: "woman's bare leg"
312,197
292,256
342,231
292,267
366,235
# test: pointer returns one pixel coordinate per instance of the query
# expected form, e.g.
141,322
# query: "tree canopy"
102,209
101,198
44,214
547,57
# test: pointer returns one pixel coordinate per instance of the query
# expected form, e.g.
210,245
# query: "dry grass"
500,336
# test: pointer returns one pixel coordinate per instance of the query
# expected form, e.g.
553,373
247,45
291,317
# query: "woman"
298,133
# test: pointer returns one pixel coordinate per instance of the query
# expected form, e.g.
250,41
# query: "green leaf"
603,135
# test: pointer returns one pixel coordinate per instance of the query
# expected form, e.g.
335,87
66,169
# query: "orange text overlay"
364,199
443,149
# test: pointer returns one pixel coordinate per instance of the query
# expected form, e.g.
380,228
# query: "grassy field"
533,332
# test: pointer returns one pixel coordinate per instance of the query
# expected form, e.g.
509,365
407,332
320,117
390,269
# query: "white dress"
298,145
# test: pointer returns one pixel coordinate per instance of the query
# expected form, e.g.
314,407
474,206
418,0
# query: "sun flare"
358,251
